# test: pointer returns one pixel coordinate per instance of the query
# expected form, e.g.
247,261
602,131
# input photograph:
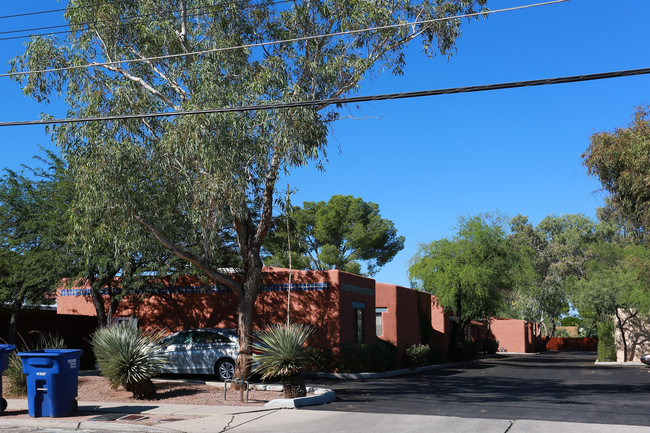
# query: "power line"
277,42
347,100
80,26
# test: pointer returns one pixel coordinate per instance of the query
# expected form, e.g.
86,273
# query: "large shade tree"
343,233
213,173
471,273
620,159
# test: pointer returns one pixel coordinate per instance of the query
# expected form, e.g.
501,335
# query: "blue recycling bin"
5,350
52,381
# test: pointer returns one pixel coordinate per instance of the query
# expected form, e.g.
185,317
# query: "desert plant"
491,346
359,358
418,355
129,357
319,359
606,341
16,379
279,351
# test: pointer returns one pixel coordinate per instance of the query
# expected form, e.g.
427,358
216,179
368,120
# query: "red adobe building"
342,308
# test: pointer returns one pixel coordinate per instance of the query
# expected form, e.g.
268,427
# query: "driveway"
552,386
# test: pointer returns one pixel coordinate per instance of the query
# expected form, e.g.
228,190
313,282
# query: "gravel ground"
93,388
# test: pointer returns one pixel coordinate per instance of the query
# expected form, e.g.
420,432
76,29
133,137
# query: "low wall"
572,344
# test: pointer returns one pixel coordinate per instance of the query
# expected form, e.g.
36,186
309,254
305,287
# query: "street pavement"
378,405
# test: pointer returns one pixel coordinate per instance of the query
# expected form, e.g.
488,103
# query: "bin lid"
50,353
7,347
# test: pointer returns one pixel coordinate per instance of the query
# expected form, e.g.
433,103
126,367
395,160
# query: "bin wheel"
3,405
75,406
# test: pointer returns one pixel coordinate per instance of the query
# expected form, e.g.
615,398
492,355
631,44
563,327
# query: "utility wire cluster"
322,102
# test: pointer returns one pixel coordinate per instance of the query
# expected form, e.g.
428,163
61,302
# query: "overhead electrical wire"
346,100
135,20
277,42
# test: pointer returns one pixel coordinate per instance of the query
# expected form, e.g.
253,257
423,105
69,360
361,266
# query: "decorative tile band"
203,289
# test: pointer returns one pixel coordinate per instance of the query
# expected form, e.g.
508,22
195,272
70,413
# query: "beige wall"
637,336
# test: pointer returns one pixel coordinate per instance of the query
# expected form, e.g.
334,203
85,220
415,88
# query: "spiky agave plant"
16,379
129,357
279,352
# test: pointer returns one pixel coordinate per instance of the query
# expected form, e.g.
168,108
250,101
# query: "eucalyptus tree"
559,250
620,159
214,172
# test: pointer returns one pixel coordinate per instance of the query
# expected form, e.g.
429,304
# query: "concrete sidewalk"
258,419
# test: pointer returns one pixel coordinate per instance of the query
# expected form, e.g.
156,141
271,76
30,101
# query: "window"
379,321
358,325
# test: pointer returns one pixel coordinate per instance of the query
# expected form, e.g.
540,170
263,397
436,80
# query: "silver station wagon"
201,351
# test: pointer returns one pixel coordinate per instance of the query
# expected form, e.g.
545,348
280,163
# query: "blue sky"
428,161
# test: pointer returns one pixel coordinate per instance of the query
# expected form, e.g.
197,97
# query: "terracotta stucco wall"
401,320
356,291
441,327
315,300
512,334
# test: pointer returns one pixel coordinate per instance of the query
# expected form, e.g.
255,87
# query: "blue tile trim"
204,289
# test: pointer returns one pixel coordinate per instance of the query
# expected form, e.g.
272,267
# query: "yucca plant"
279,352
16,379
126,356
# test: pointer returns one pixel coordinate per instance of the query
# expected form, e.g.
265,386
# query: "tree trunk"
294,386
252,284
12,326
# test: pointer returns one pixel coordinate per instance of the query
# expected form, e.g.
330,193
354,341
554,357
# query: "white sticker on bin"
41,373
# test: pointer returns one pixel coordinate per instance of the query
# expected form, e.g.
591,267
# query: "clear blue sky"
428,161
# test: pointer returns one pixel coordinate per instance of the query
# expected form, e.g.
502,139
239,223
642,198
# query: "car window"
208,337
180,338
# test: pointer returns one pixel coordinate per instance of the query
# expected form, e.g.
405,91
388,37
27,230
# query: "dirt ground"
93,388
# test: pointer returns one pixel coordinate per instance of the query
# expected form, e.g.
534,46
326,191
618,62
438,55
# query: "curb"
384,374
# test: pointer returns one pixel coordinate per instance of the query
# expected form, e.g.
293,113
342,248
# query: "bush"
16,379
606,341
418,355
361,358
491,346
467,350
128,357
319,359
280,352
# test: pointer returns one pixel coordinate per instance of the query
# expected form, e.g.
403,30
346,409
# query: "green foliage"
571,321
340,234
203,185
620,160
363,358
467,350
558,248
16,380
472,272
419,355
490,346
33,234
319,360
606,341
279,350
128,357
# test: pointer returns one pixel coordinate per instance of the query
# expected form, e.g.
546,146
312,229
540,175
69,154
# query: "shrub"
280,352
318,359
467,350
418,355
16,379
126,356
360,358
491,346
606,341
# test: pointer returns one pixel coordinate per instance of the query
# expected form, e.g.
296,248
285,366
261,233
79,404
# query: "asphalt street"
551,386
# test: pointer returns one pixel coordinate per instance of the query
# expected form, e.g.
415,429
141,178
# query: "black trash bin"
52,381
5,350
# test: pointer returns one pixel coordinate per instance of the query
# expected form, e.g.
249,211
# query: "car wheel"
225,369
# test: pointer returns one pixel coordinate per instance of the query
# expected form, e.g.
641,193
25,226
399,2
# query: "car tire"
225,369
